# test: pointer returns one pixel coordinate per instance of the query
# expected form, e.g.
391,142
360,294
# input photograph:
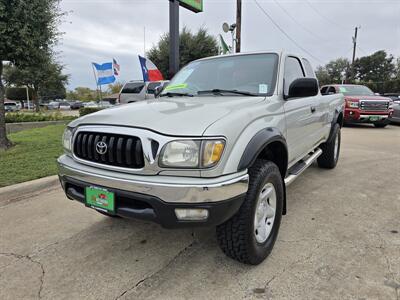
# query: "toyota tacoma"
218,147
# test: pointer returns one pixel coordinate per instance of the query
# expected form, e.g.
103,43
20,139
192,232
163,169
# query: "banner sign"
193,5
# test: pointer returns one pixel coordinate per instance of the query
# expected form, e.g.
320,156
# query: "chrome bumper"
167,188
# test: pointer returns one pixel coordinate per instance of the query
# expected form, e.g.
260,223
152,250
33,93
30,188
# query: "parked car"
29,105
104,104
64,105
91,104
362,105
53,105
218,148
10,106
138,90
76,104
395,118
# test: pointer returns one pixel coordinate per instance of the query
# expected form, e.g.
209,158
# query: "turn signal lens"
212,152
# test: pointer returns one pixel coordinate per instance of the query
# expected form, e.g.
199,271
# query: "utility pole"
238,25
354,52
173,37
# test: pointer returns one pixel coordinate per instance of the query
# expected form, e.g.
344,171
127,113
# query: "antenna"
225,27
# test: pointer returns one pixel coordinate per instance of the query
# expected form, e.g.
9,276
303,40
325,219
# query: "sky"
321,30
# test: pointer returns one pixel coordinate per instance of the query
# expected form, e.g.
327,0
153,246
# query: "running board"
304,165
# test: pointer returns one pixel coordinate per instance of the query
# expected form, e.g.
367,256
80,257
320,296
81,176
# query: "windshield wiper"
220,92
172,94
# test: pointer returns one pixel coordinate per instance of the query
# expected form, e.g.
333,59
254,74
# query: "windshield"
253,74
355,90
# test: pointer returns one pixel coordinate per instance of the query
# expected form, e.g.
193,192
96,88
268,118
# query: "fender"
258,143
334,121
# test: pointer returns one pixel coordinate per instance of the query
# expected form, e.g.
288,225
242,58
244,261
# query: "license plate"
374,118
100,198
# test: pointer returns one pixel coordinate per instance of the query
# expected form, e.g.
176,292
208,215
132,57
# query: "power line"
287,35
322,16
298,23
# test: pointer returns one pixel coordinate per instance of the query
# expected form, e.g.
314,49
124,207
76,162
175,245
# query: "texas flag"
149,70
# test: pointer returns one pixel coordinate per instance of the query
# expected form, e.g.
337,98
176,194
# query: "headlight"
352,104
67,139
191,154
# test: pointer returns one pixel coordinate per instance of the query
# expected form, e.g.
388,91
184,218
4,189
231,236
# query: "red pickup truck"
362,105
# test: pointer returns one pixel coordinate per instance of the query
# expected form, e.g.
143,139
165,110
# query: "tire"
238,237
381,125
329,157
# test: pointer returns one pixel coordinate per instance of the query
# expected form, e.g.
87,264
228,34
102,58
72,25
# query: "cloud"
103,29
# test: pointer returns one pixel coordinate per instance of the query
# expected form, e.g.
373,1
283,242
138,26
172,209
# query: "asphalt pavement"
339,240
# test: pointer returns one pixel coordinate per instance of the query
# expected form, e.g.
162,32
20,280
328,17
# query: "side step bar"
304,165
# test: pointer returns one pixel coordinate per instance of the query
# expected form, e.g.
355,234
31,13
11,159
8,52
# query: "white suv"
138,90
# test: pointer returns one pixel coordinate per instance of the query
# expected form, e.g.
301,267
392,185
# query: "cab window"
308,69
293,71
324,90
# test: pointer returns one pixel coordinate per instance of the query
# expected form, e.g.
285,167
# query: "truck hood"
184,116
357,98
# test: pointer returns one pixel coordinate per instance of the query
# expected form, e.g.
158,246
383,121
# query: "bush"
83,111
36,117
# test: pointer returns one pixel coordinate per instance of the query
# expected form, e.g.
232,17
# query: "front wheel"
381,124
250,234
330,150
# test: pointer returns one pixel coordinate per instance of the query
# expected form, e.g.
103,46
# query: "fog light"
191,214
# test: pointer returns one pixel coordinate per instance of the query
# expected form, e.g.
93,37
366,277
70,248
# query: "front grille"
374,105
109,149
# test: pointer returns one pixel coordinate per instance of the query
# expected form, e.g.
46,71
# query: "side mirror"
158,90
303,87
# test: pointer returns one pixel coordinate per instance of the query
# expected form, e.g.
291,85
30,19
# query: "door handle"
312,109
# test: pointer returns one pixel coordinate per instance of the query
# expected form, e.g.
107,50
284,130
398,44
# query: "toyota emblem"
101,148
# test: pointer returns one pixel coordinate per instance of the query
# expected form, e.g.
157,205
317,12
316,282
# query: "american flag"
116,67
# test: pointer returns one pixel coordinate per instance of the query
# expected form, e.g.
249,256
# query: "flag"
116,67
149,70
224,46
105,73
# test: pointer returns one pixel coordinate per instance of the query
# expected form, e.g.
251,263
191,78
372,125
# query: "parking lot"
339,240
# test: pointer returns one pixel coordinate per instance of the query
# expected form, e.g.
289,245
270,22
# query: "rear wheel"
330,150
250,234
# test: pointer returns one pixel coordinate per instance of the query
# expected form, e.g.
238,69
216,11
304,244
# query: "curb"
21,190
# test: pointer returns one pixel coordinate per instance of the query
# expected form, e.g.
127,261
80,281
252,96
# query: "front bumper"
360,116
156,197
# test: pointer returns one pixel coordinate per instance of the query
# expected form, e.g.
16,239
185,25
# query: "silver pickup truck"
217,148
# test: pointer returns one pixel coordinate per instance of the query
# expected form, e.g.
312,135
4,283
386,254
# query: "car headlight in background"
352,104
67,139
191,154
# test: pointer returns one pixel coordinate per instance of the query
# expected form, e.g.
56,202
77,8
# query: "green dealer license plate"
374,118
100,198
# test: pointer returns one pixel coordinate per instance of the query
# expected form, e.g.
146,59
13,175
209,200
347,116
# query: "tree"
82,94
46,79
323,75
191,47
28,30
338,69
377,67
115,87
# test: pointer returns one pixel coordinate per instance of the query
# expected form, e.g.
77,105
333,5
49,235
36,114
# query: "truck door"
321,107
299,112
